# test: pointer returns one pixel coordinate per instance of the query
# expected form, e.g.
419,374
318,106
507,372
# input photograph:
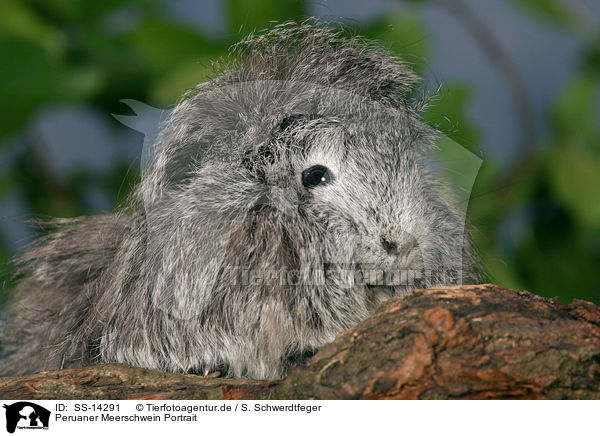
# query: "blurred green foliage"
535,224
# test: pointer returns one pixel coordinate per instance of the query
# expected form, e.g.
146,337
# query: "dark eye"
316,176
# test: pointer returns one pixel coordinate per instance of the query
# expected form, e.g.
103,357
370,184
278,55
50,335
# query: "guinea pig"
284,201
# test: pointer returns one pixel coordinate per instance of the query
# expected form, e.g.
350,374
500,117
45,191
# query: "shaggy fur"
226,259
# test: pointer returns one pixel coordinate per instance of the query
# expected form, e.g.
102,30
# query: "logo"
26,415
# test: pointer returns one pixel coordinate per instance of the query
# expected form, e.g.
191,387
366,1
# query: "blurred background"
517,83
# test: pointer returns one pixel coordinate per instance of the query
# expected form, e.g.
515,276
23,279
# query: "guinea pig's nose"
393,247
390,246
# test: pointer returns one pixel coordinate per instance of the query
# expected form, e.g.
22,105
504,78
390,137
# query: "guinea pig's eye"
315,176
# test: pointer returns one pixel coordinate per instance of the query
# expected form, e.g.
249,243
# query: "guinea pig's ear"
289,122
255,161
286,128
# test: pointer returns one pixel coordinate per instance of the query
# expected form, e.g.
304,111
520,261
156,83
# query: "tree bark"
460,342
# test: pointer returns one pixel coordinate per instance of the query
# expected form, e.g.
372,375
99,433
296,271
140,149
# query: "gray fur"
195,275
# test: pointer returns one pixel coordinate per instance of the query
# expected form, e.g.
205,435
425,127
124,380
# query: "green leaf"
161,45
182,78
404,34
574,173
33,77
82,12
573,161
577,113
246,16
19,21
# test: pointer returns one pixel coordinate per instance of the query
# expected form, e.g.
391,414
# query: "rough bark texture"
462,342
